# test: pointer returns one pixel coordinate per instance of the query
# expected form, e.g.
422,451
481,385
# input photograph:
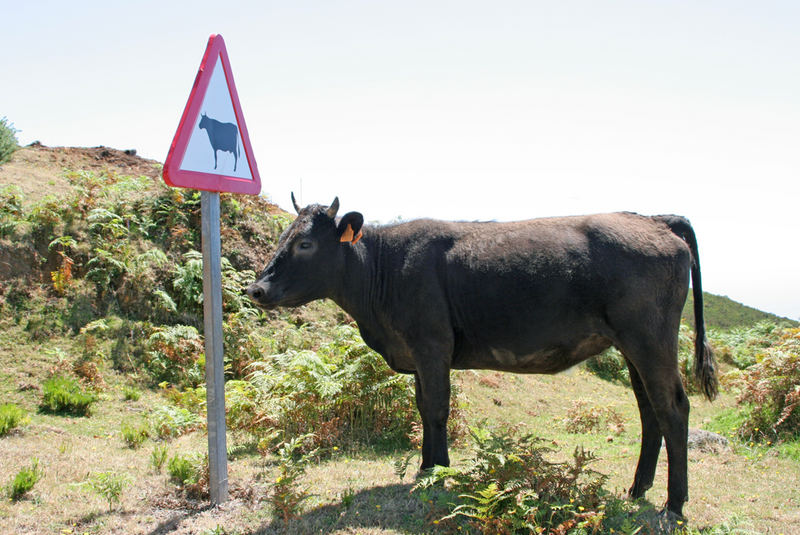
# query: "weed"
24,480
170,422
771,389
134,436
109,485
130,393
11,417
583,418
11,200
287,496
159,456
181,470
510,487
190,472
62,394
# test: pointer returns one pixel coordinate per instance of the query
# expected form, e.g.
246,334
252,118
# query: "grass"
11,417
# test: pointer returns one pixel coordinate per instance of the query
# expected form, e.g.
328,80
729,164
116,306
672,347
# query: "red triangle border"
182,178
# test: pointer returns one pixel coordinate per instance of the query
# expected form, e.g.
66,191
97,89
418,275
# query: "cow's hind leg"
651,438
655,360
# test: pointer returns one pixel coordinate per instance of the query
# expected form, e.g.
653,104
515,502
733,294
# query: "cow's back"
549,289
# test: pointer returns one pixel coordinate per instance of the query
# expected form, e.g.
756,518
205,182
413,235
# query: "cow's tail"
704,369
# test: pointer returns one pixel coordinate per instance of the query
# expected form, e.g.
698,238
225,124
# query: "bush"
25,480
65,394
174,355
11,417
170,422
8,139
182,470
134,436
609,365
509,486
771,389
109,485
343,390
741,345
287,496
158,457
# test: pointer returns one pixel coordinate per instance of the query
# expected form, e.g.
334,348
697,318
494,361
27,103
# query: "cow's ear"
349,228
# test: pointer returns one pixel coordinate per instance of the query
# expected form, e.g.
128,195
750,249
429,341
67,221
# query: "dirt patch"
39,170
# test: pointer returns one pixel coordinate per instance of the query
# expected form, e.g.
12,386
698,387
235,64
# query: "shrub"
134,436
771,389
173,355
509,486
65,394
130,393
11,417
584,418
182,470
170,422
287,496
24,480
741,345
109,485
8,139
11,217
159,456
190,472
609,365
343,390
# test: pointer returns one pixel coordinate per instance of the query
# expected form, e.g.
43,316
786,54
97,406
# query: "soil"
39,170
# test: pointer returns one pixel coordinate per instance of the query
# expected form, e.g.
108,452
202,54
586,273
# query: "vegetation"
723,313
101,301
11,417
64,394
109,485
24,480
8,139
509,485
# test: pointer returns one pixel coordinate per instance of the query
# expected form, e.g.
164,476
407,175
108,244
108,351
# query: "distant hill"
721,312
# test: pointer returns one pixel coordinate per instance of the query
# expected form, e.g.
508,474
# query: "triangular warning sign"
211,150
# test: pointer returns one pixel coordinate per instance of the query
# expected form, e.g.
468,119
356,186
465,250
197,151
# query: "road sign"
211,152
211,149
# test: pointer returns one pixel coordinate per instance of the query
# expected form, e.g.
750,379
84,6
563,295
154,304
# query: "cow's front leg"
433,401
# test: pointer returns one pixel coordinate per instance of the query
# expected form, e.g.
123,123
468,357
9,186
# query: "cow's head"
203,122
310,257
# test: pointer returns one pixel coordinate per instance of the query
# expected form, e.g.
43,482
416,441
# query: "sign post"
215,367
211,152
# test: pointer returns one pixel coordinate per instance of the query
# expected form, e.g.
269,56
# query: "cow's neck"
359,290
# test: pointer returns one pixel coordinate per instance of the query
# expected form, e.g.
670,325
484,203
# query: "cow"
223,137
536,296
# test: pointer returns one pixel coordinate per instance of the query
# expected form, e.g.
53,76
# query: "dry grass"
352,492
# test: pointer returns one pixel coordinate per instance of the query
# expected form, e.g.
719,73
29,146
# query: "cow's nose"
255,292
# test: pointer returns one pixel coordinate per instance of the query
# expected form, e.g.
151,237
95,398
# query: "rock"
700,439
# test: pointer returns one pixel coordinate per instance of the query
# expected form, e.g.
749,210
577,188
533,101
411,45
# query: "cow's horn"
333,208
294,202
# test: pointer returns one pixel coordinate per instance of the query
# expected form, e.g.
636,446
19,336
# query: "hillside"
721,312
101,355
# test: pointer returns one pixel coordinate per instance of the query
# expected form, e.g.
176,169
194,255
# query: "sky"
466,110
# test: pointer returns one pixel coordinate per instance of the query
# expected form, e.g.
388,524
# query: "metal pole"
212,320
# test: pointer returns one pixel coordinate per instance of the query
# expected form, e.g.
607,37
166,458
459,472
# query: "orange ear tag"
347,235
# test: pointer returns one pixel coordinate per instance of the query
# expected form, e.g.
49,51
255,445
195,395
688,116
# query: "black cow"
223,136
535,296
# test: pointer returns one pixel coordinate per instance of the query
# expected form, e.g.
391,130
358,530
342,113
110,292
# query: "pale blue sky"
460,110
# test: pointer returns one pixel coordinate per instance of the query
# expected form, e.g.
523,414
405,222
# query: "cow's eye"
305,245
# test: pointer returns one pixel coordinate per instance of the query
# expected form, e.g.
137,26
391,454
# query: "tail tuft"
704,370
